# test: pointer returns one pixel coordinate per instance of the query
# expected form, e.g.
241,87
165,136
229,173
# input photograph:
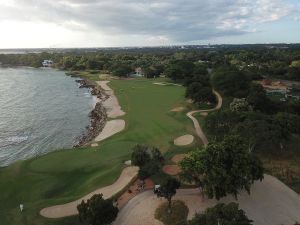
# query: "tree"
168,190
179,69
288,122
149,160
199,93
258,99
222,168
140,155
231,82
264,132
121,70
97,211
221,123
157,157
240,105
221,214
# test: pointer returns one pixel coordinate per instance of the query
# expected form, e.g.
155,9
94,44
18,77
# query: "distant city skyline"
117,23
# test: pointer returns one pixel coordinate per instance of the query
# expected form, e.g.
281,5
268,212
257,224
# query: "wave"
14,140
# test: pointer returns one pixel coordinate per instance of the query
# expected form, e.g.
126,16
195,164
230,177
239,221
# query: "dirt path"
69,209
270,202
198,129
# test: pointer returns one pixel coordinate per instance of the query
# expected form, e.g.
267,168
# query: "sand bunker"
163,84
111,104
94,145
177,158
184,140
204,113
111,127
171,169
166,84
177,109
69,209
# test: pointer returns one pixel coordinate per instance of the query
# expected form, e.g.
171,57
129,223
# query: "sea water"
41,110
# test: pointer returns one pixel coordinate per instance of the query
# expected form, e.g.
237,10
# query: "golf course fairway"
66,175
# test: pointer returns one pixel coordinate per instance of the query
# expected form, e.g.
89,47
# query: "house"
274,88
266,82
47,63
138,72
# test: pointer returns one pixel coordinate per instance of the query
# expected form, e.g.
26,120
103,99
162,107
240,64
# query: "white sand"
111,127
166,83
111,104
69,209
113,110
184,140
177,109
270,203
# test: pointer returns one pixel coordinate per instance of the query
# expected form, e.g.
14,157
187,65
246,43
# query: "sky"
116,23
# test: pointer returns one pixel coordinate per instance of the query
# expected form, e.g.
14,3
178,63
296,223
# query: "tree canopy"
222,168
150,160
221,214
168,190
231,82
97,211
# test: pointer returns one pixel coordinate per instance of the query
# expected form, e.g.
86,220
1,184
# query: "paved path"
69,209
198,129
271,203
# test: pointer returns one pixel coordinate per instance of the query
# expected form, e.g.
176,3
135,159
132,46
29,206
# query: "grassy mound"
177,216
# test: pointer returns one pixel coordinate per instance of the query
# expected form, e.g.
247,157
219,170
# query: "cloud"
157,20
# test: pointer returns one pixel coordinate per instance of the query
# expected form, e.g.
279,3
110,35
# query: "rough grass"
177,216
66,175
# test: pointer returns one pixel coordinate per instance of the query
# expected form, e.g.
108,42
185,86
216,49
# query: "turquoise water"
41,110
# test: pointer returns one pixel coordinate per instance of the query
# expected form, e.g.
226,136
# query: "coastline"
98,116
107,107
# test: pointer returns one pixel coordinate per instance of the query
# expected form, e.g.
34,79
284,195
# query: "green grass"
66,175
177,216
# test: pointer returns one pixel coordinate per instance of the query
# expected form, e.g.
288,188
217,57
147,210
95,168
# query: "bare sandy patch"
171,169
69,209
184,140
111,127
159,83
111,104
94,145
177,109
166,84
204,113
177,158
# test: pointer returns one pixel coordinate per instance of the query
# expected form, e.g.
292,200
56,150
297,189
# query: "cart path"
270,202
198,129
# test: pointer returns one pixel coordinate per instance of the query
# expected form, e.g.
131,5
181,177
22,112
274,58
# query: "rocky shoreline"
98,115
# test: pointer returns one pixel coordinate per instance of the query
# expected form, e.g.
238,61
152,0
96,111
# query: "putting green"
66,175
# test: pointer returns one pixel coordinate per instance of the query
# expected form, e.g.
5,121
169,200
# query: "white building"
47,63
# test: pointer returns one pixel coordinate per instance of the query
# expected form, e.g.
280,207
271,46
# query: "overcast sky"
105,23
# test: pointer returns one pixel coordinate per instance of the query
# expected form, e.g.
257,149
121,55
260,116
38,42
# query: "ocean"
41,110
